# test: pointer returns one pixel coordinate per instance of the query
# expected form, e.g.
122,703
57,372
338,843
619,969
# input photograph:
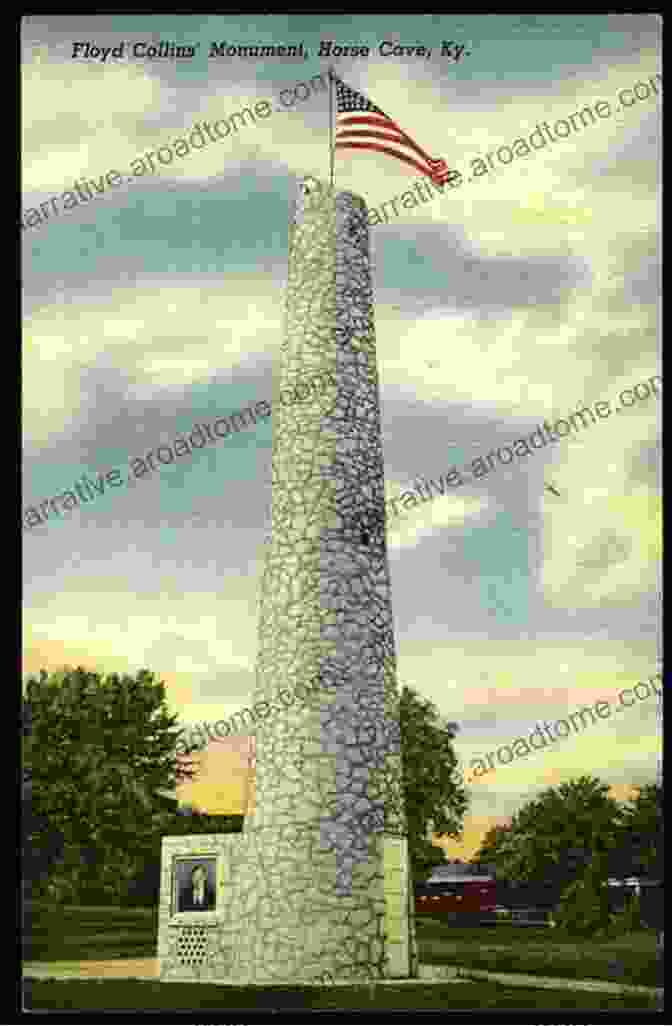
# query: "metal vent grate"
193,946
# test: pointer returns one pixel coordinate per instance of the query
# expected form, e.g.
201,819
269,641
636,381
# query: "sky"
530,291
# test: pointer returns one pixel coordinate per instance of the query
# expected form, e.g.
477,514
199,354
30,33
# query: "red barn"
456,892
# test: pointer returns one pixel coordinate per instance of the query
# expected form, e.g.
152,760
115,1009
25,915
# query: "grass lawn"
140,995
71,933
60,933
630,959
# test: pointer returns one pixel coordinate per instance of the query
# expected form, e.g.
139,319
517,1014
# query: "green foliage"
628,919
191,820
99,755
640,840
143,887
584,908
553,838
434,796
42,846
491,846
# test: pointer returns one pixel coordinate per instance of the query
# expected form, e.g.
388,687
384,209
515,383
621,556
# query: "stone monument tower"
317,887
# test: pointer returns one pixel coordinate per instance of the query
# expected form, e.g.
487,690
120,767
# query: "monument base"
233,907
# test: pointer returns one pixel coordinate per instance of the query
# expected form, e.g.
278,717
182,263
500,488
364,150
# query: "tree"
189,819
434,797
552,839
640,839
144,888
491,845
584,907
41,845
100,753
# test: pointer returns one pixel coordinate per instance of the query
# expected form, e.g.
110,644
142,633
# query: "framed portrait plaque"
195,884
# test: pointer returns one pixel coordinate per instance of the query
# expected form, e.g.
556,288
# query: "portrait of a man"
195,884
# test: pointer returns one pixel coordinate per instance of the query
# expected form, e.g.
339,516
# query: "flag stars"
375,129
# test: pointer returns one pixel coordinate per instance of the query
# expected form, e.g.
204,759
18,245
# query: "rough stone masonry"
317,886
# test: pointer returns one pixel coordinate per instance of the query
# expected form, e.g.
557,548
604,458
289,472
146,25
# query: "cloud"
159,344
176,635
611,552
518,681
497,305
67,128
423,521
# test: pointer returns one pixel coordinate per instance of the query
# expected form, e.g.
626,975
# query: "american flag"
371,128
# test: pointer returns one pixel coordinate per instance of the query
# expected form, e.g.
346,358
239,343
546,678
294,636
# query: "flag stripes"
360,125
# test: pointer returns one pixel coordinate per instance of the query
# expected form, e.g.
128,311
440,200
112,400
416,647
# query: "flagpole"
331,125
